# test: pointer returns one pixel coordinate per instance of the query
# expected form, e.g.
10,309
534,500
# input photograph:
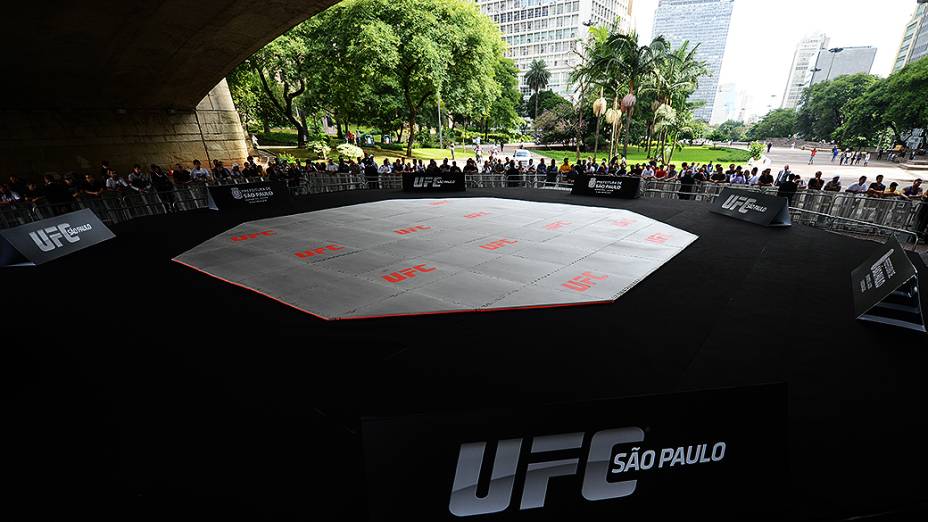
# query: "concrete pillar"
36,142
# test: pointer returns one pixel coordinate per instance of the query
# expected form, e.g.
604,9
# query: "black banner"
885,288
715,455
223,197
625,187
421,182
42,241
753,207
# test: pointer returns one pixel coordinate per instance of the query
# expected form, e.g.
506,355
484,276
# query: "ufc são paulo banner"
42,241
626,187
753,207
420,182
224,197
714,455
885,288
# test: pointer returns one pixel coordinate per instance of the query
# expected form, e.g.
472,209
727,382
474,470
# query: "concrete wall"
35,142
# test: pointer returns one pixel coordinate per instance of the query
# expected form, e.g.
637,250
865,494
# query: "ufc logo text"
496,245
583,282
253,235
659,239
319,251
557,225
477,215
404,231
407,273
50,238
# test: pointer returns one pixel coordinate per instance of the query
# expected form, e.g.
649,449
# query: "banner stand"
48,239
886,289
754,207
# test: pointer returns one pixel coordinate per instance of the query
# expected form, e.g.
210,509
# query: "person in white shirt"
860,187
199,173
386,168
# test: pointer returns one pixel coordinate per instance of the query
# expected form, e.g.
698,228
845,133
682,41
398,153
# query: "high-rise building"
841,61
703,22
726,104
551,30
915,38
803,67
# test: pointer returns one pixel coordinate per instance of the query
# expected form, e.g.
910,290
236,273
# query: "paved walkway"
798,160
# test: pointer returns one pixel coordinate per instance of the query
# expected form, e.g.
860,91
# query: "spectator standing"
199,174
817,182
834,185
860,187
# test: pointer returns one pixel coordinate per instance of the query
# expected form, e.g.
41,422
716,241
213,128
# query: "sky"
763,36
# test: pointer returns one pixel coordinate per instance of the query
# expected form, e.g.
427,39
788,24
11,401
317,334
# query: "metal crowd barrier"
839,211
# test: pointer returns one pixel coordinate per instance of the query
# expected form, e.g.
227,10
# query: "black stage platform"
136,388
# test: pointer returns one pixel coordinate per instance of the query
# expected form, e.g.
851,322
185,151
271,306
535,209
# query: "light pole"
834,54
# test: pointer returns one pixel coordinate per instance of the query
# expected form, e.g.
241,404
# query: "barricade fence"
838,211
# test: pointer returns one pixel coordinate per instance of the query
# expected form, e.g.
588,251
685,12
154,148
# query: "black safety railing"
837,211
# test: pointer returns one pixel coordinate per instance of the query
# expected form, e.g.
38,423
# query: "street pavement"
798,160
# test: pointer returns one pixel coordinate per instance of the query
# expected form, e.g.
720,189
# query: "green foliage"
321,148
779,123
756,149
348,150
537,78
546,100
823,106
730,130
285,157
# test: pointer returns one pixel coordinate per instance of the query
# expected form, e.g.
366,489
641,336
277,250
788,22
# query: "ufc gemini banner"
714,455
885,288
421,182
224,197
625,187
753,207
42,241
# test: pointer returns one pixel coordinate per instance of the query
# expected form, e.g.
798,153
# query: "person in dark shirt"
788,188
181,175
92,187
432,169
834,185
718,176
687,183
817,183
877,187
17,185
454,168
33,193
766,178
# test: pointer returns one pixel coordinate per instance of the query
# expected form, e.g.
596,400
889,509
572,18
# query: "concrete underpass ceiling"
134,54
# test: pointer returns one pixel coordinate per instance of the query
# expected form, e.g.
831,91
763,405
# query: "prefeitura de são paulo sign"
421,256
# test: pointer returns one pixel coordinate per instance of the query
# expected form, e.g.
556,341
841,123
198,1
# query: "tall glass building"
551,30
849,60
805,61
703,22
915,38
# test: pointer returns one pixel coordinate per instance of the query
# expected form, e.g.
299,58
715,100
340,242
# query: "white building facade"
914,44
552,31
803,68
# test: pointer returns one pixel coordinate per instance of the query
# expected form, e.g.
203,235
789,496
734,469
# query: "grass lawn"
723,155
379,154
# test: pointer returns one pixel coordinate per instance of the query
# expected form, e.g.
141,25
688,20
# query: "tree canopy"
778,123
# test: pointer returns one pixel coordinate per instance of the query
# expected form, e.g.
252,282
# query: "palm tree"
675,78
537,79
624,60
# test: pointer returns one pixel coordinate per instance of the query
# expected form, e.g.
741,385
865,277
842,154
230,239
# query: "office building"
726,104
803,68
703,22
915,38
551,30
841,61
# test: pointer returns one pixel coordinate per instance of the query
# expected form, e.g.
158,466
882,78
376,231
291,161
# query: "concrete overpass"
130,80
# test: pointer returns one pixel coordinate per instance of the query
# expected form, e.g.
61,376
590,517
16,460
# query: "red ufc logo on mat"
622,223
407,273
659,239
436,203
477,215
496,245
319,251
253,235
404,231
583,282
556,225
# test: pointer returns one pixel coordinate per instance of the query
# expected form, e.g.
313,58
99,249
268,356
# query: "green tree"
545,100
822,106
730,130
622,61
778,123
537,78
502,113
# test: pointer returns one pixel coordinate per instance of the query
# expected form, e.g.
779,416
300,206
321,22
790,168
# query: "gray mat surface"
421,256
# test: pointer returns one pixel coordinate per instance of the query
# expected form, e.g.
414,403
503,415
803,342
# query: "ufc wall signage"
419,182
626,187
713,455
223,197
753,207
42,241
886,289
